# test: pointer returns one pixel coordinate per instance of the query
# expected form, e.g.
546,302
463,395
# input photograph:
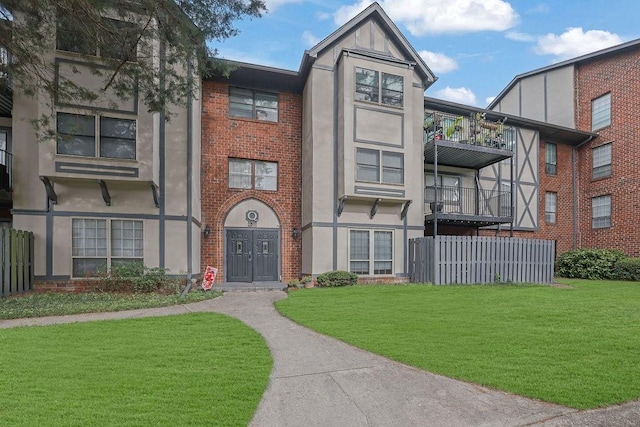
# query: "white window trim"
372,259
605,123
547,211
253,174
593,218
602,166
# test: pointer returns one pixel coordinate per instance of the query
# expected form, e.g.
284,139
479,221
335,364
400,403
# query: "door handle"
250,255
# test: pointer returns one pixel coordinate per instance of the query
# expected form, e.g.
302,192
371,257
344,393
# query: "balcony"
467,206
466,141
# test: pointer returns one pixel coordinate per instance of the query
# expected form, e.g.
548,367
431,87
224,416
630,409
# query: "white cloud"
460,95
309,39
489,100
520,37
438,62
575,42
440,16
274,4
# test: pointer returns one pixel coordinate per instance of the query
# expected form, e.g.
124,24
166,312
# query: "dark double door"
252,255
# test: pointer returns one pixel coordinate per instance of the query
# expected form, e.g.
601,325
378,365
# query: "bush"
306,280
337,278
136,278
594,264
627,269
294,283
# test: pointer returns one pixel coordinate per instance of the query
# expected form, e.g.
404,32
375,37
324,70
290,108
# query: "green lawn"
58,304
578,346
193,369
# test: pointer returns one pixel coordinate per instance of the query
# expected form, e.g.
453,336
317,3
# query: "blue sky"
475,47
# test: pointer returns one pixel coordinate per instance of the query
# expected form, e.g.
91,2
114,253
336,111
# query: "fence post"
32,260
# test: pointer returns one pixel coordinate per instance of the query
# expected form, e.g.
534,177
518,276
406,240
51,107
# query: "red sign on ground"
209,277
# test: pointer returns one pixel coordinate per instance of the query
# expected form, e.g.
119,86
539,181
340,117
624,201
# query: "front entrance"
252,255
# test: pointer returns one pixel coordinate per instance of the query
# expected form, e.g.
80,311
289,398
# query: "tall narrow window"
359,251
551,158
367,165
601,161
601,112
392,168
367,85
550,207
601,212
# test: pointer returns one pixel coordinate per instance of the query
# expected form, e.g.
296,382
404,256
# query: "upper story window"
252,104
551,158
550,207
370,168
4,63
112,38
253,174
601,112
381,88
601,212
601,161
96,136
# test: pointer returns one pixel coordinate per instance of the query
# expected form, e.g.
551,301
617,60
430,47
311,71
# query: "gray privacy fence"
461,259
16,261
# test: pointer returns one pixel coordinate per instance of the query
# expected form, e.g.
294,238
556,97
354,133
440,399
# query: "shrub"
294,283
627,269
306,280
594,264
337,278
135,277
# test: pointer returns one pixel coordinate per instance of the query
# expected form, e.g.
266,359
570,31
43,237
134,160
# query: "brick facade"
225,137
619,75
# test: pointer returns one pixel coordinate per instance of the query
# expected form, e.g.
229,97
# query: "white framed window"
253,104
551,158
601,211
95,136
247,174
601,112
97,244
379,88
601,161
550,207
371,252
369,167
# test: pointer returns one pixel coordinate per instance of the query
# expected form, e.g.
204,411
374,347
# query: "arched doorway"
252,243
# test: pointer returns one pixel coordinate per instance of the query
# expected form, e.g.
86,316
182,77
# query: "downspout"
574,184
189,181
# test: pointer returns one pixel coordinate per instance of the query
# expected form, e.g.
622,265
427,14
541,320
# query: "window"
112,38
372,86
252,104
4,64
368,166
77,136
551,158
253,174
601,212
363,243
601,161
448,188
550,207
93,250
601,112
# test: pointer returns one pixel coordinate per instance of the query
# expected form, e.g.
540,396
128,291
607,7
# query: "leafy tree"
135,47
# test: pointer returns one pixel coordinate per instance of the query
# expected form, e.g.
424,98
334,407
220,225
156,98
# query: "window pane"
359,267
69,38
367,165
76,134
551,153
240,173
550,207
89,237
119,39
359,245
126,238
88,266
367,85
601,212
392,168
601,112
602,161
117,138
266,176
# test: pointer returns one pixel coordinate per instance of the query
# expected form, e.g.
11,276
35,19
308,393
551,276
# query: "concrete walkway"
319,381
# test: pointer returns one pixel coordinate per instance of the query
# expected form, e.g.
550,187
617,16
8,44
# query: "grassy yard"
57,304
194,369
577,346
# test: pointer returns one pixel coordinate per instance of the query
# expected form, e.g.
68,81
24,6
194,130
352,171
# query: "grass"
576,346
58,304
193,369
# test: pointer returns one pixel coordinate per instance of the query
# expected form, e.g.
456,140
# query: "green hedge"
627,269
594,264
337,278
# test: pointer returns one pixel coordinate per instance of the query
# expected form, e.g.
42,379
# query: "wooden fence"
462,259
16,261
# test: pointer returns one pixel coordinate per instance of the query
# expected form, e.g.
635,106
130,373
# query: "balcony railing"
456,200
473,130
5,171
